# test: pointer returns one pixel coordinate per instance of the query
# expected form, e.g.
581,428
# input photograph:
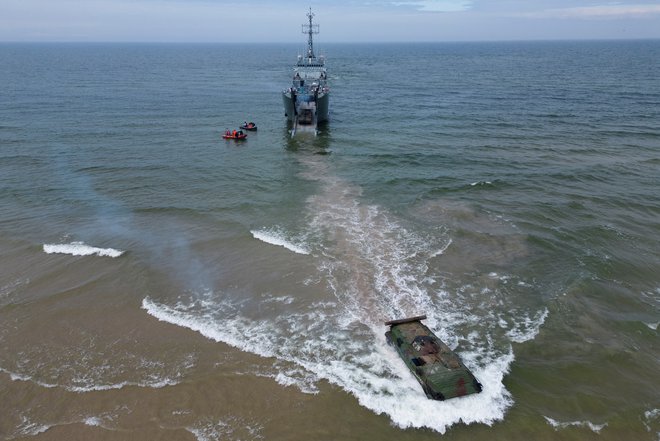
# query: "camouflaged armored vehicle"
438,369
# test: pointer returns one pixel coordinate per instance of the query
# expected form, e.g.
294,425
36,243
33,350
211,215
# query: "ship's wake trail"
373,269
376,267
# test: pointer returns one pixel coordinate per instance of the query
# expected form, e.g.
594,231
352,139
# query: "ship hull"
289,106
322,106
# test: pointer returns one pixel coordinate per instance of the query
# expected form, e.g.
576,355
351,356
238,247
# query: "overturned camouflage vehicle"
438,369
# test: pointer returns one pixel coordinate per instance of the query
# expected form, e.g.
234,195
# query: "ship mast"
310,29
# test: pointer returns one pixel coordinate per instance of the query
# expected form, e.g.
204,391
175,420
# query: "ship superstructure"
306,101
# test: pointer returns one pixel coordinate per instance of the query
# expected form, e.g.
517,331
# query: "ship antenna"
310,30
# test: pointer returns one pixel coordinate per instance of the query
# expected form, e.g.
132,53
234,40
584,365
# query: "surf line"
81,249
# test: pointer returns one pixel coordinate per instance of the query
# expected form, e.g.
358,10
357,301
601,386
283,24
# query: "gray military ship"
306,101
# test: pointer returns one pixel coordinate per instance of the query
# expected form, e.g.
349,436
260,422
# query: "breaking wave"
276,237
313,344
81,249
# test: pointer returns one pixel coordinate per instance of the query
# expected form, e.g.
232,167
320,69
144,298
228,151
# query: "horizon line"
270,43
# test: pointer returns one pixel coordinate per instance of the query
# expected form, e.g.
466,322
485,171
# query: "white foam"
287,300
526,328
155,383
649,417
652,414
296,376
210,431
275,237
18,377
441,250
369,370
562,425
230,428
184,316
81,249
93,421
305,381
29,428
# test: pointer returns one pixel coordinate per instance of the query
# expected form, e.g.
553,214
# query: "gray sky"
340,20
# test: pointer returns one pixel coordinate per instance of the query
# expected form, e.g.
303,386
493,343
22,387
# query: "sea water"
157,281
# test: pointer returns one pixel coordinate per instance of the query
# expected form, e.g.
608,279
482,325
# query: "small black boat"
249,126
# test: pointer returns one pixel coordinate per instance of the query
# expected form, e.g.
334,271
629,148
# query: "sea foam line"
527,328
442,250
30,428
559,425
230,428
315,343
277,238
153,383
27,427
81,249
649,417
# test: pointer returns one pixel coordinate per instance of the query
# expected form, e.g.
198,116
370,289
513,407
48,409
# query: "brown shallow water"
82,358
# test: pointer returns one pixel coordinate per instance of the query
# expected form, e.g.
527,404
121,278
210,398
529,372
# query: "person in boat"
227,133
233,134
240,133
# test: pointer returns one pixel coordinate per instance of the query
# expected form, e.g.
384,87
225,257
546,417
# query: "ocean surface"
159,282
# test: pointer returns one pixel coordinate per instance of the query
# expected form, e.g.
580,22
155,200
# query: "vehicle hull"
439,370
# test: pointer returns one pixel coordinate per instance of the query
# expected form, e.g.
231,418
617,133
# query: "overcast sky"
340,20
